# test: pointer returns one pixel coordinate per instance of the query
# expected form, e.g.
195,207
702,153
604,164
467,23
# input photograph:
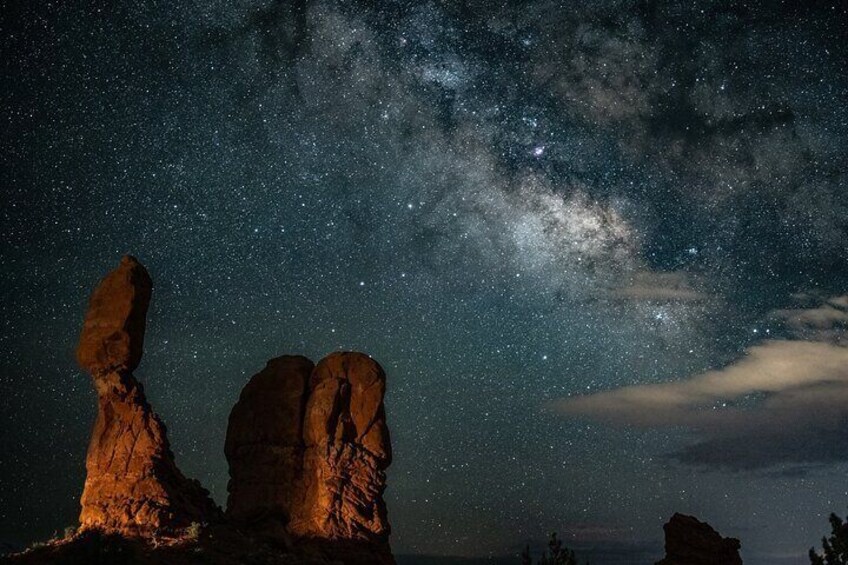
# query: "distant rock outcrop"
133,486
689,541
323,475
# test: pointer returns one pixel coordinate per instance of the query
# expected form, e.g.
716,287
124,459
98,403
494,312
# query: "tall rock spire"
133,487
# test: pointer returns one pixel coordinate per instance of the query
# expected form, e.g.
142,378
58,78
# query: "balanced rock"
112,337
264,445
689,541
132,487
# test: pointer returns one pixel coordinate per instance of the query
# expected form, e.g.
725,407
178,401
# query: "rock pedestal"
132,487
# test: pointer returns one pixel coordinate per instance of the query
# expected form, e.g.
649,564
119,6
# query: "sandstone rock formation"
264,445
133,486
322,475
347,452
689,541
112,337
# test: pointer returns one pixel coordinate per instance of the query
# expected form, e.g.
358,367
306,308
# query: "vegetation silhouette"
835,548
557,554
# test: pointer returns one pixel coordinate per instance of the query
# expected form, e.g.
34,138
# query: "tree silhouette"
835,548
556,554
525,556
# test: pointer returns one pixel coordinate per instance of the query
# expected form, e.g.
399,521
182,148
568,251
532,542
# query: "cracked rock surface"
132,487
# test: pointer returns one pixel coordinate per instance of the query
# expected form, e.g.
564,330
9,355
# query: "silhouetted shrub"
835,548
556,554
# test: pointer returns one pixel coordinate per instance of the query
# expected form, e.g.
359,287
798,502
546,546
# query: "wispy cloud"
651,286
782,401
831,315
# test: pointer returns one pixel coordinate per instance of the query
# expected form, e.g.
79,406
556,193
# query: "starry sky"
600,248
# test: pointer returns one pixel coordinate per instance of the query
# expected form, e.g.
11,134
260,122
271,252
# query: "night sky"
519,209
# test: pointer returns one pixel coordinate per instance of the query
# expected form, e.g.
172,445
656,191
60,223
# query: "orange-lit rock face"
264,445
308,449
113,332
133,486
347,451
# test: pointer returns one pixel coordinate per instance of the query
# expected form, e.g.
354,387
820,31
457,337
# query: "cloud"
776,367
830,315
839,302
783,401
649,286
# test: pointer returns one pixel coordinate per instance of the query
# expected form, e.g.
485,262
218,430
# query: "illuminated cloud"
774,368
782,401
830,315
